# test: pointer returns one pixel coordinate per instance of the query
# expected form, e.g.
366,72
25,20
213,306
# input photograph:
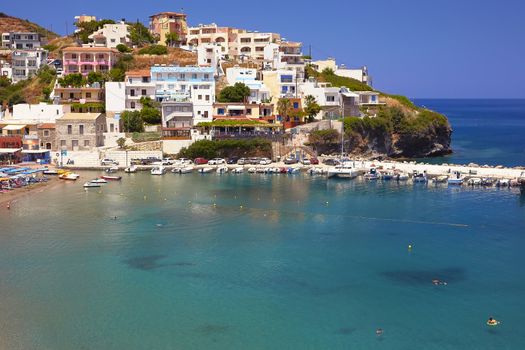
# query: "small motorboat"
132,169
238,170
205,170
387,175
372,174
293,171
112,170
186,170
158,171
111,178
419,177
222,170
503,183
261,170
92,185
475,181
456,179
440,179
98,181
401,177
252,170
69,176
50,172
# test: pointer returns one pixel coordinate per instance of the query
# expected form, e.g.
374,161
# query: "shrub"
123,48
154,50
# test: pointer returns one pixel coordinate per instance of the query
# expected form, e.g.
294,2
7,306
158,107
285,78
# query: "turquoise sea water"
306,263
485,131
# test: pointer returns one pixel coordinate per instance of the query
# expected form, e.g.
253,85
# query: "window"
220,111
69,129
330,98
62,143
194,76
183,88
200,97
132,92
207,76
183,76
249,111
205,114
132,105
143,92
74,143
46,133
286,78
296,105
88,94
86,143
207,97
81,129
111,127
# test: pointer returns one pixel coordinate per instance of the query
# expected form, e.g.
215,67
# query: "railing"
247,135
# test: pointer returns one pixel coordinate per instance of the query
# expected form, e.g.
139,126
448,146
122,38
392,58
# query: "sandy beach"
13,196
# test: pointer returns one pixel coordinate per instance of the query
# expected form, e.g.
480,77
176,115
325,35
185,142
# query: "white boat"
475,181
158,171
50,172
69,176
419,177
131,169
98,181
456,179
261,170
111,170
401,177
238,170
222,170
91,185
344,170
316,171
440,179
387,175
373,174
186,170
503,183
252,170
205,170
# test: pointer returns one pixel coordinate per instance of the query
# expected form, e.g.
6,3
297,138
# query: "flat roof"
9,150
47,126
185,69
14,127
168,14
88,49
80,116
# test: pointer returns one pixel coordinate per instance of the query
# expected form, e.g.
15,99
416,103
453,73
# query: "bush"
154,50
236,93
123,48
74,80
132,121
150,115
50,47
227,148
145,136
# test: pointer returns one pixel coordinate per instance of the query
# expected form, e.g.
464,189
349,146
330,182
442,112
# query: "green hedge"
227,148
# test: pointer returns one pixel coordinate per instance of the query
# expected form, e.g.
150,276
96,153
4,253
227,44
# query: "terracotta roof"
168,14
138,73
88,49
47,126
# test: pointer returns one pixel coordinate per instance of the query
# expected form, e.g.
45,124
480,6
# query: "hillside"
14,24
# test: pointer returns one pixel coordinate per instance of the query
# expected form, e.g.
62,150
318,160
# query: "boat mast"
342,124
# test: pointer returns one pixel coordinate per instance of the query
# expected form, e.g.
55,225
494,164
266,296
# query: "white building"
111,35
326,96
210,34
182,83
115,97
250,45
281,83
360,74
285,55
138,85
21,40
258,91
26,63
39,113
210,55
6,70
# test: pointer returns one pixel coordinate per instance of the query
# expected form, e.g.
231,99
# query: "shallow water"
306,263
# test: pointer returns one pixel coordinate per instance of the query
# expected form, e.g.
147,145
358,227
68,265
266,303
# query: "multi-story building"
281,83
21,40
111,35
47,136
250,45
26,63
177,119
285,55
168,22
326,96
39,113
138,85
210,34
80,131
88,59
209,55
195,83
360,74
248,76
235,110
84,94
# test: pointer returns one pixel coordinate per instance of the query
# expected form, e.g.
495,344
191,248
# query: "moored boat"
475,181
222,170
238,170
50,172
205,170
345,170
440,179
111,178
158,171
456,179
112,169
91,185
69,176
419,177
99,181
132,169
373,174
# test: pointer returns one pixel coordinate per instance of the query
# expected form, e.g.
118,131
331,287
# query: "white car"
107,161
265,161
183,161
167,161
306,161
216,161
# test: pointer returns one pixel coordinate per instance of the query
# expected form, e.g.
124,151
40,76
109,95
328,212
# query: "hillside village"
116,86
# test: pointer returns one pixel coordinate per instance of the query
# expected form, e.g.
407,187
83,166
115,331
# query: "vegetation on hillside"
227,148
154,50
328,76
14,24
236,93
88,28
33,90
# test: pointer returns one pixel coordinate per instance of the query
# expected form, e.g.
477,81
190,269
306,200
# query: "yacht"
158,170
345,170
131,169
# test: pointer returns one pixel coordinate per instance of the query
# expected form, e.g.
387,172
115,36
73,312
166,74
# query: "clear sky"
419,48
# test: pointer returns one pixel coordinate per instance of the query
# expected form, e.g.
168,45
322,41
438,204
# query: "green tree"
4,81
150,115
123,48
311,108
46,91
121,142
139,34
284,106
146,101
328,71
95,77
154,50
88,28
236,93
132,121
172,39
74,80
117,74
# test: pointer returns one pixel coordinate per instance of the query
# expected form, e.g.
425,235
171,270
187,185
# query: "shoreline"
19,193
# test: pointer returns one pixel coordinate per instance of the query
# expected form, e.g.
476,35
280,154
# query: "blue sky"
446,48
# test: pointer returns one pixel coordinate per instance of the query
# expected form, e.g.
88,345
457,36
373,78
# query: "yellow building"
163,23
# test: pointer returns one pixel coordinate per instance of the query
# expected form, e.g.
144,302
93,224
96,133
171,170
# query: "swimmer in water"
379,332
437,282
492,322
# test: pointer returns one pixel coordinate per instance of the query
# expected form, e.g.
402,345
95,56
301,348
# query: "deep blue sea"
485,131
267,262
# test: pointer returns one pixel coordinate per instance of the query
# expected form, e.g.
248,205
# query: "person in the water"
437,282
492,322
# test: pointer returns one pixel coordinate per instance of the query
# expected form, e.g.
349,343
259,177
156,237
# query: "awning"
35,151
14,127
9,150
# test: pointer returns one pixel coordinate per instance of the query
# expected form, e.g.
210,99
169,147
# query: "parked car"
265,161
168,161
242,161
149,160
330,161
183,161
216,161
314,161
291,161
233,160
254,160
200,161
306,161
107,161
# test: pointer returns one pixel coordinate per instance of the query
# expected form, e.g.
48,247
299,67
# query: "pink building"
88,59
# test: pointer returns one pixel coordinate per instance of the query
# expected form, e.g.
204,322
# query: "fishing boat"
344,170
91,185
69,176
373,174
387,175
98,181
158,171
132,169
111,178
456,179
205,170
222,170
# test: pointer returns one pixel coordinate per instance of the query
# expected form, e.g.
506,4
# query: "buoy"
410,247
241,207
326,203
